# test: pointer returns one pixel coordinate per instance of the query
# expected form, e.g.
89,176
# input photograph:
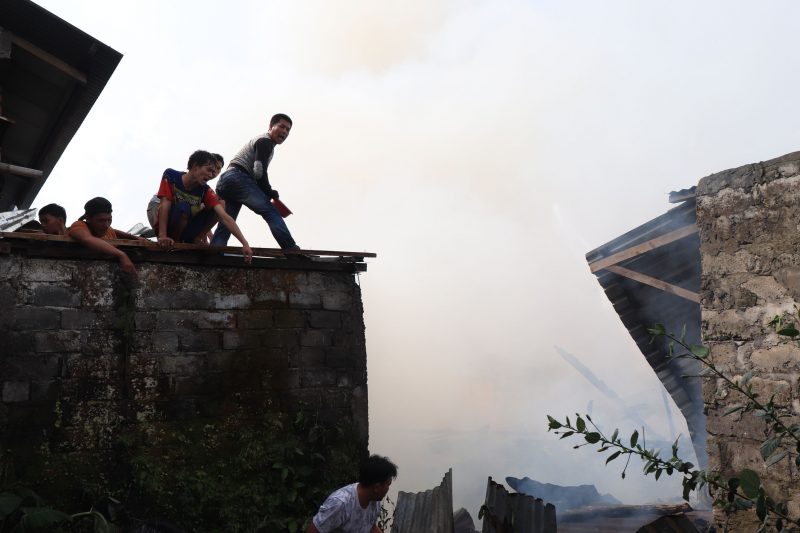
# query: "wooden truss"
611,263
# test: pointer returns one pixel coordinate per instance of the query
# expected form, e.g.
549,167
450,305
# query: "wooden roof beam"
24,172
644,247
49,58
654,282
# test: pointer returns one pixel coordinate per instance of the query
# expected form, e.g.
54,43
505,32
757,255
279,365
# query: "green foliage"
23,511
247,472
737,493
386,516
238,476
787,328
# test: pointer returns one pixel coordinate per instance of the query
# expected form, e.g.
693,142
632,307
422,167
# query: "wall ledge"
58,247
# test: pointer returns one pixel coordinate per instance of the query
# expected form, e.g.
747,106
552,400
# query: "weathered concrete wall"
82,356
749,221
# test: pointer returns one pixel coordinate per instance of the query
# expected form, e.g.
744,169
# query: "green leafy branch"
22,510
786,328
737,493
386,516
772,413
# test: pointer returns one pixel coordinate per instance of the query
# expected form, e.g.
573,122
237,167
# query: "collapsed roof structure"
651,275
51,74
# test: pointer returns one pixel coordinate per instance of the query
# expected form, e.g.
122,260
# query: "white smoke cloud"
440,135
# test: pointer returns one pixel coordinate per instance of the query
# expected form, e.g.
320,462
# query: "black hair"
200,157
376,469
54,210
219,159
95,206
277,118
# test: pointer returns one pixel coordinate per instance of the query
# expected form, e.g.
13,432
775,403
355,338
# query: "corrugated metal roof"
429,512
641,306
11,220
525,513
50,80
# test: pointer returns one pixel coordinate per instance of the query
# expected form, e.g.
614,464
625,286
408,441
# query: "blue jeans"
195,225
193,228
237,188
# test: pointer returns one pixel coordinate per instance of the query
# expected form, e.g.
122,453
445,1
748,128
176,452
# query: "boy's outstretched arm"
226,220
85,237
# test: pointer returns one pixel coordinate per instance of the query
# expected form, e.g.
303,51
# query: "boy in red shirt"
189,208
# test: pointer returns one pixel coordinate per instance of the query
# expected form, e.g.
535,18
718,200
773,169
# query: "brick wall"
749,221
82,355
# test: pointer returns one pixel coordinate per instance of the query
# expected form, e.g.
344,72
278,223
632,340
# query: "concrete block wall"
749,222
81,355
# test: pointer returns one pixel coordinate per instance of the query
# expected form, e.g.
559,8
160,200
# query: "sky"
480,148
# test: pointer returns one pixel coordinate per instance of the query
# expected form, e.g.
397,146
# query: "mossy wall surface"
90,366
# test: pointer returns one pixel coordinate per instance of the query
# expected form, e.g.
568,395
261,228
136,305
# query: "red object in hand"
281,207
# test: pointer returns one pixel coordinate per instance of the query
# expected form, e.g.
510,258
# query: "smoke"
441,136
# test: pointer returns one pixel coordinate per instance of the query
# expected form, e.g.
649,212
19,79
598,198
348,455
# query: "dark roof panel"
51,80
641,306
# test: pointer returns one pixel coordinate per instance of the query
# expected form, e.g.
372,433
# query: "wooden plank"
653,282
24,172
260,252
641,248
49,58
142,255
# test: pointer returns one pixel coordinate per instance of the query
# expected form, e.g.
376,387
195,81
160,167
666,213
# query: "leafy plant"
23,511
785,327
257,469
233,476
386,516
737,493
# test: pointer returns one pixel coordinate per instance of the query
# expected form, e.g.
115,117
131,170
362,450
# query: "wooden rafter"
644,247
49,58
654,282
21,171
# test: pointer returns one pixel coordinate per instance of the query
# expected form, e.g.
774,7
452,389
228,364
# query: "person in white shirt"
355,507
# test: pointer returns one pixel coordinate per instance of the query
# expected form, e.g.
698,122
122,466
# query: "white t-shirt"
342,510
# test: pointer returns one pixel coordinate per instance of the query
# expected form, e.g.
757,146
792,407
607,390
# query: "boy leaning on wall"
93,230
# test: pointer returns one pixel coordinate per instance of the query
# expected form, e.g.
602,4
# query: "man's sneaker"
295,253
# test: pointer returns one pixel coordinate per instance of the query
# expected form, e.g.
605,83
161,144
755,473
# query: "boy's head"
220,162
279,127
53,219
202,166
97,215
376,475
200,158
